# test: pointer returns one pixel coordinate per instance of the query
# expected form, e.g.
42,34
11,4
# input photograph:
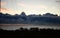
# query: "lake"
28,26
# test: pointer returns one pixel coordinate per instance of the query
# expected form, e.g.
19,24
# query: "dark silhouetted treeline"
30,19
32,32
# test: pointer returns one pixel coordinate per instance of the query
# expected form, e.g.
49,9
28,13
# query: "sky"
30,6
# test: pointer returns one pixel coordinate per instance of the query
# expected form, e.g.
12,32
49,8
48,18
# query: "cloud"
9,11
4,10
31,5
2,3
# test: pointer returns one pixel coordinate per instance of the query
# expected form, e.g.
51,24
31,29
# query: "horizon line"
29,14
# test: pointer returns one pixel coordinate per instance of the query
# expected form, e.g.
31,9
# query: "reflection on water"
14,27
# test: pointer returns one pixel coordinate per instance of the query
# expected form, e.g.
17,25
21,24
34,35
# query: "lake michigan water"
17,26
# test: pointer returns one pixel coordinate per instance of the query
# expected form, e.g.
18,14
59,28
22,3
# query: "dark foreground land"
32,32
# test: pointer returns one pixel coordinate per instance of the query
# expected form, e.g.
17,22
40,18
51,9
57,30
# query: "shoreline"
28,26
